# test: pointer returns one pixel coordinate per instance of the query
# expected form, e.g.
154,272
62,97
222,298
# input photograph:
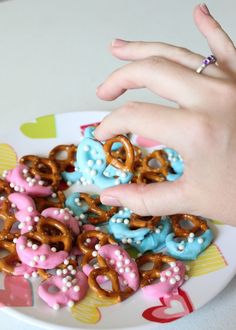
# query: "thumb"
219,42
158,199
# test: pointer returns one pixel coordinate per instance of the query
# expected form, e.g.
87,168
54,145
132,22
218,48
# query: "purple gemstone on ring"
209,60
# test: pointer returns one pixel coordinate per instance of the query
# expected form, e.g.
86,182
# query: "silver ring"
207,61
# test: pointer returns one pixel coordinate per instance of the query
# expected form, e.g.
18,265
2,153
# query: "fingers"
219,42
133,51
164,198
156,122
166,78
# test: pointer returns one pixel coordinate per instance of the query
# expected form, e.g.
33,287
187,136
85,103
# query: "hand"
202,129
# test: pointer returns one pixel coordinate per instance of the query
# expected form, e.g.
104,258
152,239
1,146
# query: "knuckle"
139,44
128,107
228,91
225,92
202,130
182,52
153,61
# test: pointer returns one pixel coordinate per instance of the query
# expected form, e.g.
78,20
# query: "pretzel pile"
53,237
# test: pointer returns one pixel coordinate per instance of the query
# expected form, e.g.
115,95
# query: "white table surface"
53,54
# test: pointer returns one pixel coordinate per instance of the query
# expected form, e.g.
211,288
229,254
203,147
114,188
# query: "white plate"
208,275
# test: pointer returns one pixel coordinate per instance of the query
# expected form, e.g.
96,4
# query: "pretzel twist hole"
137,221
184,224
63,155
128,161
52,232
116,292
102,239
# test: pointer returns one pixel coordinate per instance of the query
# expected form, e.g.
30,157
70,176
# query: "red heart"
147,143
82,127
173,308
17,292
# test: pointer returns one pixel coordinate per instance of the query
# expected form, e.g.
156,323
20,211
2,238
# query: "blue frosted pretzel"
91,160
89,208
143,239
78,207
91,165
176,163
89,132
190,248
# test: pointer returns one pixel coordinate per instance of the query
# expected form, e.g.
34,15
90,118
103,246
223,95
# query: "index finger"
156,122
166,78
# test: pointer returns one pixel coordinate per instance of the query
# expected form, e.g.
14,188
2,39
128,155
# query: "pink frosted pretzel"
25,270
89,242
71,287
170,279
47,246
21,181
42,256
119,260
64,216
116,264
26,211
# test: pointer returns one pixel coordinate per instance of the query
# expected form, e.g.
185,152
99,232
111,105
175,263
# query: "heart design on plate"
17,292
43,128
83,127
8,157
87,311
210,260
172,308
146,143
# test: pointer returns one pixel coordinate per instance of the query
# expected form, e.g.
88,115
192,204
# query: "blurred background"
54,53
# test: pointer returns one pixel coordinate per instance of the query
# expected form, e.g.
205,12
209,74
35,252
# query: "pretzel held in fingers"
147,173
128,160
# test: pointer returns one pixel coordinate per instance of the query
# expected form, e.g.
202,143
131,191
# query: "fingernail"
204,9
119,43
110,200
98,88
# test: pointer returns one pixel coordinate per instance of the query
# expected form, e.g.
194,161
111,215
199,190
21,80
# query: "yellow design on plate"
217,222
209,261
8,157
87,311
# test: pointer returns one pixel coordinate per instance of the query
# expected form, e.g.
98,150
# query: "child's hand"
202,129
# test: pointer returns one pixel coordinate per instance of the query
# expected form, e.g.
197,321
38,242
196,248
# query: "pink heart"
173,307
17,292
146,143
